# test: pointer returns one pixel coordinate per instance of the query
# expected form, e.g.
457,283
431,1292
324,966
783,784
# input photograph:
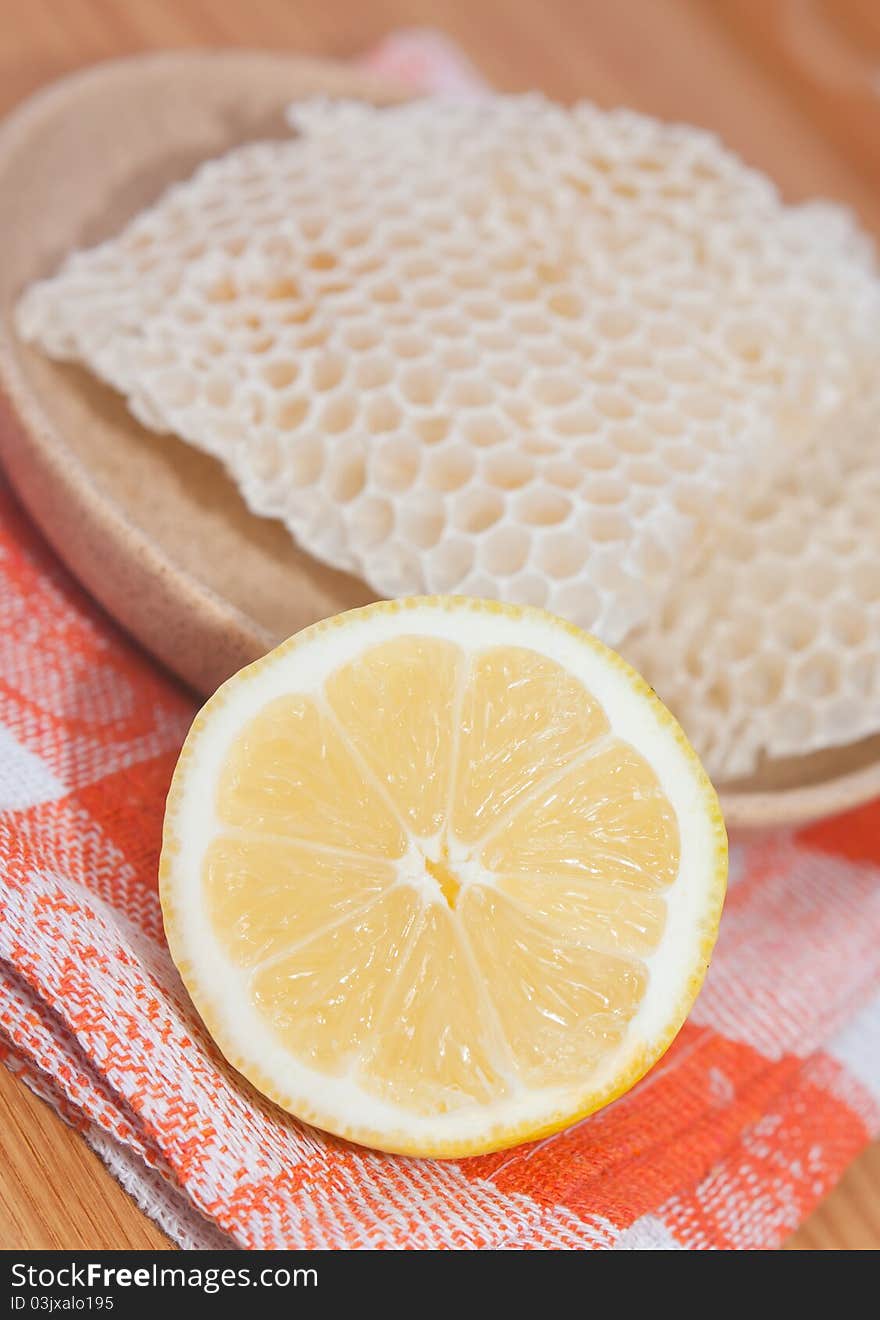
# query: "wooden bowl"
155,530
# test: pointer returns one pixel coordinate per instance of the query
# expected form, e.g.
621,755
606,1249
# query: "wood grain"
55,1194
849,1219
790,85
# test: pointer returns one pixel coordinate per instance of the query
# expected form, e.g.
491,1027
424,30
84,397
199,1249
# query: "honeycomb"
496,348
770,647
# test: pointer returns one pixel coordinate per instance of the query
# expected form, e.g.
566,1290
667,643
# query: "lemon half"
441,875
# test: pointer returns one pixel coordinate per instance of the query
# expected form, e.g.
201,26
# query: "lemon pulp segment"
442,873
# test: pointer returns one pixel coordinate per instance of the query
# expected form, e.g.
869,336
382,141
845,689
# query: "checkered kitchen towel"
771,1089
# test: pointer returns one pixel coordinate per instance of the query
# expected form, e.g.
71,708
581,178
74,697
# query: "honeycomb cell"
470,392
645,472
176,388
866,581
309,461
562,554
421,384
346,473
338,414
646,388
382,414
541,506
701,405
795,625
567,599
558,389
450,467
606,492
788,538
771,578
554,389
849,624
433,429
742,635
617,323
576,422
614,405
451,562
424,520
606,525
862,675
406,344
508,469
681,458
396,464
817,675
328,371
373,371
763,681
505,551
371,522
822,578
291,411
540,445
278,374
478,509
566,304
637,439
363,335
531,588
483,430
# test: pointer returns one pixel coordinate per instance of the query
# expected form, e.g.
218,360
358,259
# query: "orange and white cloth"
771,1089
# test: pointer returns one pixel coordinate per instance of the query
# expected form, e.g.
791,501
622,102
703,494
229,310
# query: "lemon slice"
441,875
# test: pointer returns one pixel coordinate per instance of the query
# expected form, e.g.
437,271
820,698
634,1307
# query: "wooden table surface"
791,84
